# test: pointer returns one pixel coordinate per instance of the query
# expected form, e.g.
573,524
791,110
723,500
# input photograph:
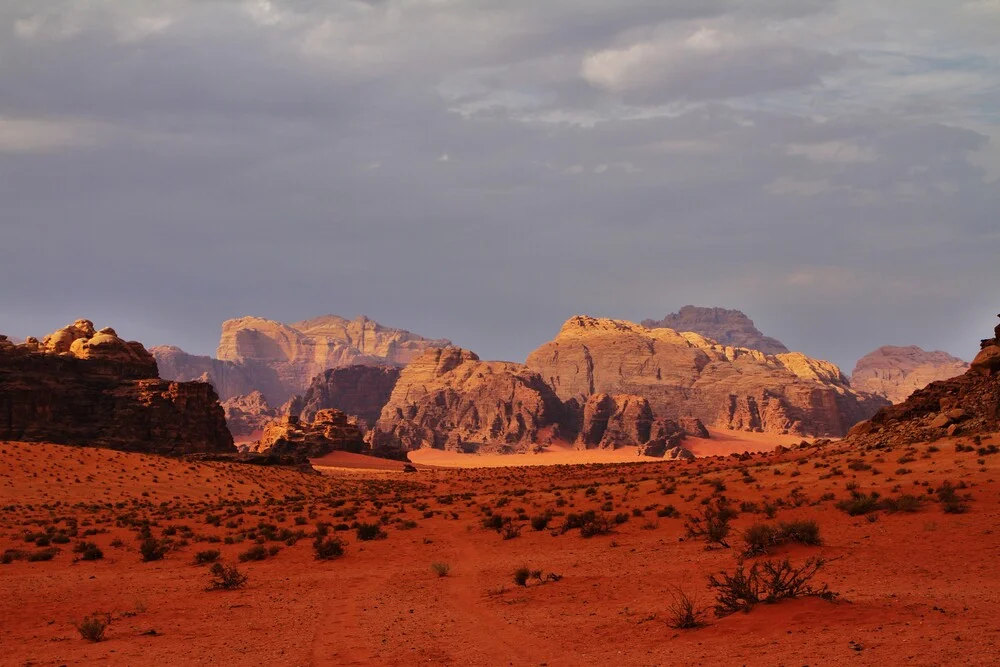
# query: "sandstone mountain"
357,390
727,327
967,404
450,399
280,360
80,386
686,374
896,372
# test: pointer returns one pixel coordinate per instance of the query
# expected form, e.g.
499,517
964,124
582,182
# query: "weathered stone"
727,327
87,387
329,431
358,390
896,372
246,416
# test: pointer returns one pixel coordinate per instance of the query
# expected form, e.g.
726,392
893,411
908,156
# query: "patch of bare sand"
722,443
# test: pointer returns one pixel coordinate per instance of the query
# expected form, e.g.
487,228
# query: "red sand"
916,588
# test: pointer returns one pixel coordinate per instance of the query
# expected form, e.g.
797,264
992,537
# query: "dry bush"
765,582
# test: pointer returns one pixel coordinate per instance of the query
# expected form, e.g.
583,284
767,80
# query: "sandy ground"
722,443
916,588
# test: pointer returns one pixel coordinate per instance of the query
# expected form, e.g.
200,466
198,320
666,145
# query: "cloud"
483,170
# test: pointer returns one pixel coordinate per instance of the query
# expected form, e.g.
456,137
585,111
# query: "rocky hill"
280,360
728,327
248,415
686,374
327,431
896,372
967,404
357,390
80,386
450,399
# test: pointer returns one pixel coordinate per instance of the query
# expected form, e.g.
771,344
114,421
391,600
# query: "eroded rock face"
688,375
361,391
449,399
81,386
896,372
328,431
247,415
726,327
280,360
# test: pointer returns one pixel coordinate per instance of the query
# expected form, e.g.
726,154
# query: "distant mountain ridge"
895,372
725,326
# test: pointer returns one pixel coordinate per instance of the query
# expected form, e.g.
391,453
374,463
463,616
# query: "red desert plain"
891,558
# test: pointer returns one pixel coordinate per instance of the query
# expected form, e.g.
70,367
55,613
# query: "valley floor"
918,587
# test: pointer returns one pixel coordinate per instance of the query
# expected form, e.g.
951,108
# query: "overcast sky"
482,170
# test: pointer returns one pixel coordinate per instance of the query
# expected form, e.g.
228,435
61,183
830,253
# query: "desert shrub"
152,549
713,524
370,531
596,524
540,521
903,503
226,577
441,569
860,503
328,548
209,556
951,502
88,551
510,530
92,628
11,555
521,576
683,612
760,538
43,555
667,511
256,552
764,582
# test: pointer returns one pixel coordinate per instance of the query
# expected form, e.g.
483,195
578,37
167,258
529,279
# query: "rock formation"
358,390
449,399
280,360
726,327
328,431
896,372
688,375
247,415
968,404
80,386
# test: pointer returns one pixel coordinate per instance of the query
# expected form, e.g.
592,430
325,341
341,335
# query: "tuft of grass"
683,612
441,569
92,628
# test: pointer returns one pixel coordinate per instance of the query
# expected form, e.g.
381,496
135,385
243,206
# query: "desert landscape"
751,548
482,334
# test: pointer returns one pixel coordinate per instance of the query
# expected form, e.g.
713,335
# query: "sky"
482,170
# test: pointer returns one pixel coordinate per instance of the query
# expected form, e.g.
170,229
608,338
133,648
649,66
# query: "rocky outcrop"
726,327
688,375
896,372
611,421
81,386
967,404
361,391
280,360
247,415
328,431
449,399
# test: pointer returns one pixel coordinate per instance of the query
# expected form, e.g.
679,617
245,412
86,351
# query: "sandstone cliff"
246,416
328,431
686,374
361,391
280,360
449,399
727,327
896,372
80,386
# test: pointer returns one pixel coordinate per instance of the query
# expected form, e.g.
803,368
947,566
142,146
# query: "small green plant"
92,628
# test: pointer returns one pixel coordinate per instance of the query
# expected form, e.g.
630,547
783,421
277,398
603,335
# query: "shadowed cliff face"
728,327
280,360
686,374
84,387
896,372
